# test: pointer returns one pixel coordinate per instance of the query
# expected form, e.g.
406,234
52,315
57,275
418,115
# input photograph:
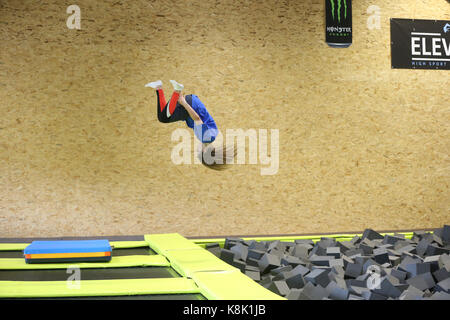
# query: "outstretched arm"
189,109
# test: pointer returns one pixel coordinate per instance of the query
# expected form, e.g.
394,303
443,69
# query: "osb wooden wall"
82,153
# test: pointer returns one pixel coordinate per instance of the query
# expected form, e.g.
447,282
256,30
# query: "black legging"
179,114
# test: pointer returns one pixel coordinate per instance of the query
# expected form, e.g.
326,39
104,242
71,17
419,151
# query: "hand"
182,100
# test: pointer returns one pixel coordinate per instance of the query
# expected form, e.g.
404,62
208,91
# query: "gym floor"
82,153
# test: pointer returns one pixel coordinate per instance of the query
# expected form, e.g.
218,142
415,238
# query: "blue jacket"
207,131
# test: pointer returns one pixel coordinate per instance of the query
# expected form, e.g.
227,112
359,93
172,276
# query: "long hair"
217,156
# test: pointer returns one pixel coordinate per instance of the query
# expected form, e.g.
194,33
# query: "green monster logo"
339,7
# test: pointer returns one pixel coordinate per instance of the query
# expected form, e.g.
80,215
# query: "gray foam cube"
381,258
280,276
345,245
294,294
338,270
366,249
407,249
361,260
393,252
444,261
336,262
387,289
403,243
433,250
334,252
339,294
210,246
441,274
227,256
252,262
371,235
355,240
301,251
408,260
255,275
363,277
252,268
440,296
422,281
433,261
317,251
354,297
357,290
268,262
281,269
368,263
422,246
273,244
311,292
437,238
321,260
402,286
304,241
231,241
356,283
255,253
446,234
336,292
266,281
353,270
279,287
443,285
346,260
415,269
394,260
295,280
326,242
380,250
291,261
256,245
369,243
239,264
400,275
318,277
370,295
299,270
334,276
412,293
388,239
393,280
277,252
240,251
354,252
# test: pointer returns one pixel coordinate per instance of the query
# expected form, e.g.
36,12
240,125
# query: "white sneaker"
154,84
176,86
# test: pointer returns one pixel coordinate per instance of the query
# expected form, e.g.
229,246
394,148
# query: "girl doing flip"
190,109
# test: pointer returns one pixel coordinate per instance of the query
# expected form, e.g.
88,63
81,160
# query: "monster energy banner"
420,44
338,23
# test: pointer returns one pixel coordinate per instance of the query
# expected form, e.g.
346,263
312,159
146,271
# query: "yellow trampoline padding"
169,241
13,246
315,238
188,262
45,289
116,262
231,285
128,244
202,242
215,278
185,256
